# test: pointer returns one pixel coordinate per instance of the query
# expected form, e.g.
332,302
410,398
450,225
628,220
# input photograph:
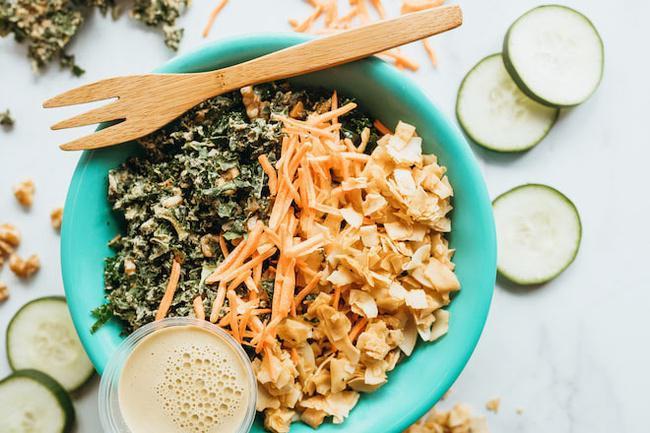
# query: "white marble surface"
573,354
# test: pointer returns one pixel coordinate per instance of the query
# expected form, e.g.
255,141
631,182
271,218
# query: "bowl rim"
196,60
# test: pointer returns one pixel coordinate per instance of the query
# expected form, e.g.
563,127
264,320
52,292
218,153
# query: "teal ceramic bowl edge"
419,381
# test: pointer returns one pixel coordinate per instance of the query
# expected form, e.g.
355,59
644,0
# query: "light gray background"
572,354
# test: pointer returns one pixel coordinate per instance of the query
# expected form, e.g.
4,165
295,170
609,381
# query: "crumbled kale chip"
199,177
48,26
6,120
162,13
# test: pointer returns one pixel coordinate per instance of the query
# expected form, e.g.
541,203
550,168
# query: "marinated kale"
199,178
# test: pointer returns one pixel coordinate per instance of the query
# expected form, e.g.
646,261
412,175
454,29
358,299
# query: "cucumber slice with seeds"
41,336
538,233
31,401
495,114
555,55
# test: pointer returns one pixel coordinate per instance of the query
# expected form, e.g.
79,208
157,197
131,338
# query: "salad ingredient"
6,120
24,268
31,401
457,420
48,27
493,405
24,192
555,55
185,379
9,241
496,114
198,182
538,233
161,14
56,218
213,16
41,336
336,20
4,292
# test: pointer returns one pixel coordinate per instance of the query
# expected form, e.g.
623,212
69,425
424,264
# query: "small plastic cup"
110,413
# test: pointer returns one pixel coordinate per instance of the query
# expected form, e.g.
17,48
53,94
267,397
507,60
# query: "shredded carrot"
416,6
307,23
336,297
379,7
270,172
248,265
239,254
218,302
306,247
334,114
347,17
199,310
401,59
250,284
213,17
168,297
357,329
355,156
223,246
294,356
363,11
227,262
240,278
311,285
381,127
430,52
243,324
273,237
234,325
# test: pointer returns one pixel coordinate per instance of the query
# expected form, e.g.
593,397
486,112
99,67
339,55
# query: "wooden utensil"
145,103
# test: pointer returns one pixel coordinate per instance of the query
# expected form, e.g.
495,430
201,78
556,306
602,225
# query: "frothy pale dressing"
184,379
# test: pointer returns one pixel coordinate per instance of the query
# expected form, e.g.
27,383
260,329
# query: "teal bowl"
420,380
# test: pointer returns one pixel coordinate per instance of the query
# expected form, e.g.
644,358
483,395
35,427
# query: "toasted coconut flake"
363,304
352,217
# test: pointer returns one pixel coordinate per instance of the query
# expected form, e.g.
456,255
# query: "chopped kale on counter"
198,178
48,26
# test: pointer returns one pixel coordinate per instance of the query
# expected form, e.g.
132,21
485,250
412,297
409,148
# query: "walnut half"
4,292
24,192
24,268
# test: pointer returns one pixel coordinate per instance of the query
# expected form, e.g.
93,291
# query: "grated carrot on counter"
213,17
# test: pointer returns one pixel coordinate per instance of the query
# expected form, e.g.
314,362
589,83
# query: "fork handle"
341,48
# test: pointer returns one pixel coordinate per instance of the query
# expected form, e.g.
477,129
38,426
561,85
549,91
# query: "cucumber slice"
538,233
555,55
41,336
31,401
495,114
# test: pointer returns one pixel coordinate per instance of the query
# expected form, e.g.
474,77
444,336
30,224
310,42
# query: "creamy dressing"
184,379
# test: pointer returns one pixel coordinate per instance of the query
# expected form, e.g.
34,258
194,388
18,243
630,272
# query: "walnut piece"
493,405
24,268
24,192
209,245
10,235
129,267
4,292
56,218
9,241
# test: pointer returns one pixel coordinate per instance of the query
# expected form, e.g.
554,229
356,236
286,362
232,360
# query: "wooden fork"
145,103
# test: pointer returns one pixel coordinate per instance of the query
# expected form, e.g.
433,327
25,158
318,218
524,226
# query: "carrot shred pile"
358,13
